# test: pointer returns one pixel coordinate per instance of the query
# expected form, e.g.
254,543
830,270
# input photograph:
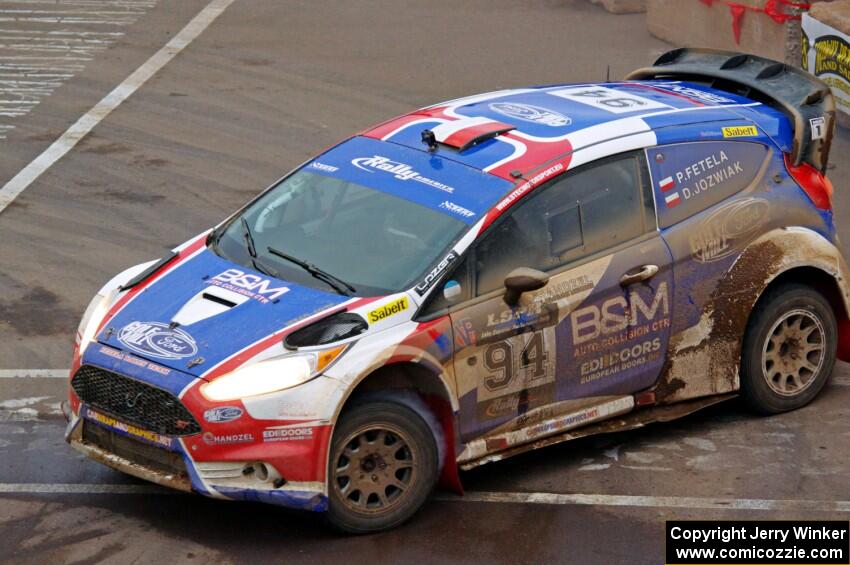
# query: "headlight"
92,318
271,375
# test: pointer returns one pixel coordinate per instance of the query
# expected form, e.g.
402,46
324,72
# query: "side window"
690,177
584,212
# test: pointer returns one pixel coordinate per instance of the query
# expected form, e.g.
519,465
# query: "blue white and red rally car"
479,278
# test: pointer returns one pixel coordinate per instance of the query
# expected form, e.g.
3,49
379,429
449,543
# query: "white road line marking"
90,119
54,488
651,501
34,373
839,380
686,502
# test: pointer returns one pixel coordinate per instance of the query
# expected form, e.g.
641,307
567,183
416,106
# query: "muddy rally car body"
475,279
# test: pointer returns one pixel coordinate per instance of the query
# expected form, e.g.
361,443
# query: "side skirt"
632,420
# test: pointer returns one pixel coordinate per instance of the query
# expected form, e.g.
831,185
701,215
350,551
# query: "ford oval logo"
222,414
531,113
157,340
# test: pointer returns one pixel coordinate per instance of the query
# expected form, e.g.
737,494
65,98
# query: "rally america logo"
156,339
399,170
531,113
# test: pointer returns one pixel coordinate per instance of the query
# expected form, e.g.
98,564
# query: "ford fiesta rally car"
479,278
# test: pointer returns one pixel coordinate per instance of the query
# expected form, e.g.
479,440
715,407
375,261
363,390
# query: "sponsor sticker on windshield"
399,170
430,180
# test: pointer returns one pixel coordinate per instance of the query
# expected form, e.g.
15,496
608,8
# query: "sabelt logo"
157,340
739,131
435,273
388,310
287,434
401,171
530,113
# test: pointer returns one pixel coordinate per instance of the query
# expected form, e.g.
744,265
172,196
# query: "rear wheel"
789,349
382,468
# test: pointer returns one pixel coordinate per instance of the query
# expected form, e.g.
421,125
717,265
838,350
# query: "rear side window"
690,177
589,210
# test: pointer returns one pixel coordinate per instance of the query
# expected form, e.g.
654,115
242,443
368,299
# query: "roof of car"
548,122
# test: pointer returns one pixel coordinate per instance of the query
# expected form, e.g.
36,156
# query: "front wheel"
382,468
789,349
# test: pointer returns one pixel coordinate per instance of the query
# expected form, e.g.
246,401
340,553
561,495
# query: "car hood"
206,309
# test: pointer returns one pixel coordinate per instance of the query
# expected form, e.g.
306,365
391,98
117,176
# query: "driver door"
599,327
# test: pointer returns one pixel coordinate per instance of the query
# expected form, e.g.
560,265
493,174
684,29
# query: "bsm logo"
617,314
259,286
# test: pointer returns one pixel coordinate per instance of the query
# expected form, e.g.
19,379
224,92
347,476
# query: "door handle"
640,274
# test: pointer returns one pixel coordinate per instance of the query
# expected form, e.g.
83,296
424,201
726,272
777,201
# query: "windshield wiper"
336,283
252,250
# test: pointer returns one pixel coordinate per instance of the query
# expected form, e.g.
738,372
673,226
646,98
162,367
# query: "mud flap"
844,339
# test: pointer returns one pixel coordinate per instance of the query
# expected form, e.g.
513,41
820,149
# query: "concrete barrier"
622,6
692,23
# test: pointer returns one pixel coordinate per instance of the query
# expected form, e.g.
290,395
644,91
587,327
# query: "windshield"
362,238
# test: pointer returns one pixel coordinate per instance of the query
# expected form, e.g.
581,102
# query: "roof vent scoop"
464,133
206,304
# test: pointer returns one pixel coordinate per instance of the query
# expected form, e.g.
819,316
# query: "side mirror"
523,280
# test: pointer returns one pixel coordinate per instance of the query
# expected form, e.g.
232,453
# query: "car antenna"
429,139
608,73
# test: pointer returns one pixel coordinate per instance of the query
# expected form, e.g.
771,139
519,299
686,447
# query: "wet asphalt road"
268,84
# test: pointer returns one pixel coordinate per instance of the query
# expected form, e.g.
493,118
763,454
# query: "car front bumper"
245,459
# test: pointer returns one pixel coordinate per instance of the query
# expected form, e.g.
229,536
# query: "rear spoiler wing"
805,99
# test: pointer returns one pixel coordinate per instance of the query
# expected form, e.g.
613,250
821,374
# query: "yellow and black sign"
129,429
740,131
387,310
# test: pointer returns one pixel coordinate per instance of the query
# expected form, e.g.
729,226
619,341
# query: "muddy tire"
382,468
789,349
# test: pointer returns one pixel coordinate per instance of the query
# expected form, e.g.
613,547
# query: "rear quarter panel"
724,258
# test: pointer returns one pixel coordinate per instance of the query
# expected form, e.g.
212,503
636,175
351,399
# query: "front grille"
134,402
154,458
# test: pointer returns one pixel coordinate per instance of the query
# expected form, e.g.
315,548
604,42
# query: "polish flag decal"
672,200
666,184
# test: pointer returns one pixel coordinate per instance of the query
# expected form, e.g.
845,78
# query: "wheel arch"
395,381
827,285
